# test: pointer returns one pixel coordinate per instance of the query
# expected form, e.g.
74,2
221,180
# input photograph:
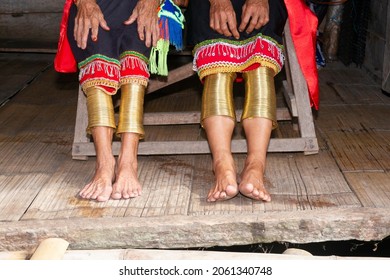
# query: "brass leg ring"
131,110
217,98
100,109
260,97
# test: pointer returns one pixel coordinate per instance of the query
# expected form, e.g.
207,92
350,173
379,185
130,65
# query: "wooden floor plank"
357,117
15,118
359,94
335,94
372,188
200,184
59,199
17,191
378,143
46,122
172,133
29,157
18,70
288,192
339,74
314,198
374,116
321,175
357,151
329,95
158,193
182,172
171,191
325,185
147,176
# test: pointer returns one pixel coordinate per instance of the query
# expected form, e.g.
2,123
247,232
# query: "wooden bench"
298,110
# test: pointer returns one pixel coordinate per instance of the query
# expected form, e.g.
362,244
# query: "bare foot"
252,184
100,187
225,180
126,184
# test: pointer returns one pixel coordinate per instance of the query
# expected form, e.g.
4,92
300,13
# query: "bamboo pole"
50,249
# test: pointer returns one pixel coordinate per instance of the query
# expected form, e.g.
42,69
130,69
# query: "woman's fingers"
223,18
255,14
145,14
88,19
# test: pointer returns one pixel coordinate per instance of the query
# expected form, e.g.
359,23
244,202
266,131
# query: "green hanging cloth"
171,23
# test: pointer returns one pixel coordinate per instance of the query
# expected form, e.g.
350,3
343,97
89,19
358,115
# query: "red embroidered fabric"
229,56
303,26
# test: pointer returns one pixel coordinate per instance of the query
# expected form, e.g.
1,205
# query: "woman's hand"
223,18
145,13
89,17
255,14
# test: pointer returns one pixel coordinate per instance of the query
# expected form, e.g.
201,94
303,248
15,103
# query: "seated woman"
110,40
238,39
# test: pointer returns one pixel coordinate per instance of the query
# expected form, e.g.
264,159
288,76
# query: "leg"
101,124
218,120
130,129
257,131
259,118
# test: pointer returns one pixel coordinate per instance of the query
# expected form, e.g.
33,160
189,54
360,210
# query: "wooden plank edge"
175,75
307,145
367,224
193,117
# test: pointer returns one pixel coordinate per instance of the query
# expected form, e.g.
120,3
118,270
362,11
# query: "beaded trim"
140,80
221,68
99,70
136,54
99,67
129,61
101,83
237,43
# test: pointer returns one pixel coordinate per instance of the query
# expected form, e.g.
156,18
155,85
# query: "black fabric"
111,43
198,21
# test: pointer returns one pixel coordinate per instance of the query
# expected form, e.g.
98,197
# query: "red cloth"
64,60
303,26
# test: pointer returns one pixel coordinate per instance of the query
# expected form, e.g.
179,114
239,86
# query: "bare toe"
231,191
116,195
105,195
225,186
253,183
254,192
100,187
126,185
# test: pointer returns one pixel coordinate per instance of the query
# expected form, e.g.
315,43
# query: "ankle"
222,157
255,158
107,161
